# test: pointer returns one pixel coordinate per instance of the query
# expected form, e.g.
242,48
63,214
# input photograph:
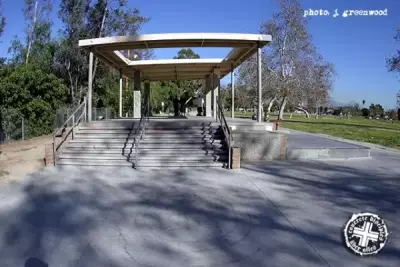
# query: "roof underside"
110,50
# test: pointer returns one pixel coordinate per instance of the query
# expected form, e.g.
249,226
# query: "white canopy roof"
243,46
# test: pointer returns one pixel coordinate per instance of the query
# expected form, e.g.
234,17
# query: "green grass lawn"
382,132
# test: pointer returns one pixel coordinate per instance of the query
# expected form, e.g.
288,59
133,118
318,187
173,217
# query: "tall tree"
37,48
186,89
2,19
291,44
91,19
393,63
38,24
71,62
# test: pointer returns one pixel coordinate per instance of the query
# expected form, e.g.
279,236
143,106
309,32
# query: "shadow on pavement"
275,215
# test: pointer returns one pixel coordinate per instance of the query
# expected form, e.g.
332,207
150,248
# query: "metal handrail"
75,122
144,119
227,131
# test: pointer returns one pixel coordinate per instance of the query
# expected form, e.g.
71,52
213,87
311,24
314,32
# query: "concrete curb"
327,153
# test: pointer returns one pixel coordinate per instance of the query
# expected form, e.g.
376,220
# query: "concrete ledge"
260,145
327,153
237,124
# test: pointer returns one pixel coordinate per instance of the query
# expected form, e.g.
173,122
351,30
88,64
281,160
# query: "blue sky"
358,46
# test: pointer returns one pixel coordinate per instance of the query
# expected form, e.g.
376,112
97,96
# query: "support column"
233,92
90,87
136,95
217,91
120,94
259,83
147,92
207,100
213,97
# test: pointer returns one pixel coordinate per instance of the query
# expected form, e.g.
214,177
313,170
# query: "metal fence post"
23,129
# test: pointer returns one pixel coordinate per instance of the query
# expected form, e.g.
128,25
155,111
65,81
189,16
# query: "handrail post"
229,154
85,101
73,125
54,150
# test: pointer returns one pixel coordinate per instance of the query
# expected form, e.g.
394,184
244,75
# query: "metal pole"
120,94
233,92
90,86
259,84
23,129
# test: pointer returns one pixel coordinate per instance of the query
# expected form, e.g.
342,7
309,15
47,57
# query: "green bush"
34,94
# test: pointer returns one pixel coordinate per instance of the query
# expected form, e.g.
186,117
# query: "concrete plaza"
287,213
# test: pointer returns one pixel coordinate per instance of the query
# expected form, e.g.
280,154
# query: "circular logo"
365,234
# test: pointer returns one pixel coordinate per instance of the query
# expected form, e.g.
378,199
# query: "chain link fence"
13,126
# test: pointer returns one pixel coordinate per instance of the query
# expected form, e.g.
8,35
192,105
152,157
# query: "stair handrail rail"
75,122
227,131
144,119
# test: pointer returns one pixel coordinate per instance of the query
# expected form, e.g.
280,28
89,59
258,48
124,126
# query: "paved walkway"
270,214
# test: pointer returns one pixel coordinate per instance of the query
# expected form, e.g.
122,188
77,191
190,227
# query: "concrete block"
235,158
260,145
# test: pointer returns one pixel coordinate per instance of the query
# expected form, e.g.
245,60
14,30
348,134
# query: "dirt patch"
20,158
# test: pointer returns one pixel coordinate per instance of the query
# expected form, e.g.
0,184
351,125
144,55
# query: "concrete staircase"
183,143
101,143
172,143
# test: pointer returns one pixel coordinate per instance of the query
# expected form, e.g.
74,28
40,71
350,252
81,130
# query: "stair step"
179,141
143,150
103,146
104,127
172,135
169,152
95,151
92,157
185,129
103,141
84,162
105,132
103,136
181,164
174,146
201,158
100,146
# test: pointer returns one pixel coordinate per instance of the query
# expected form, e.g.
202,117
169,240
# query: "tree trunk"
305,111
282,108
31,35
96,60
268,110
